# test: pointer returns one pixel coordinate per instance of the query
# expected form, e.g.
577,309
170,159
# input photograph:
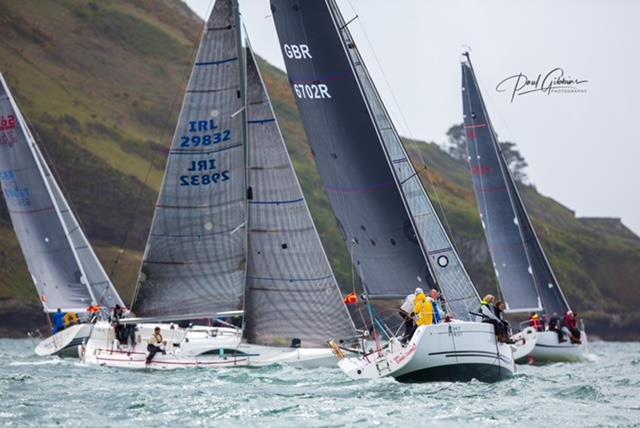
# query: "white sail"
64,268
196,252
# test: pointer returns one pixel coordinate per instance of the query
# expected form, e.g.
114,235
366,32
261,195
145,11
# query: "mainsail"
446,266
347,149
375,192
196,252
64,268
524,274
291,291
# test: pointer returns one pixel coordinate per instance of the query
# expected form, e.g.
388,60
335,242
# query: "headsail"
54,246
103,291
291,291
196,253
526,279
451,277
355,171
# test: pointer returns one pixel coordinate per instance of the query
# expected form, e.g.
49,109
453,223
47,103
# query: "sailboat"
526,279
65,270
396,239
232,232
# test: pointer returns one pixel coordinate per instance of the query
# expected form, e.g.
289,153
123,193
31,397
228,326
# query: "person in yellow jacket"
423,308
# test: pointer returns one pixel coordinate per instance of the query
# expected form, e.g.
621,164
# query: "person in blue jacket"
58,321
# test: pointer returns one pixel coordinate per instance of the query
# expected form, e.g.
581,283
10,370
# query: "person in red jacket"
571,325
536,322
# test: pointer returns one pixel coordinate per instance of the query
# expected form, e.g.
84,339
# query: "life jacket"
537,324
71,318
424,310
485,311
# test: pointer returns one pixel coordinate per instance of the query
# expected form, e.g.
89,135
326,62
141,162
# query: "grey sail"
98,281
525,277
344,138
194,261
36,216
291,291
451,277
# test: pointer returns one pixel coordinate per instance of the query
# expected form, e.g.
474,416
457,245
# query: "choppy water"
604,391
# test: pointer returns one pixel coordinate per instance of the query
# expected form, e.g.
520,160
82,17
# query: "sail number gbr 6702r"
305,90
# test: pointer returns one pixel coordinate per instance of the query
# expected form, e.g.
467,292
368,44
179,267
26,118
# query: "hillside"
102,96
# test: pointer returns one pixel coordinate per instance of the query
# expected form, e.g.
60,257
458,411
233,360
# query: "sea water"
34,391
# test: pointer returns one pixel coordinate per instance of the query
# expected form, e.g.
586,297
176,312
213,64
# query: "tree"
457,147
515,161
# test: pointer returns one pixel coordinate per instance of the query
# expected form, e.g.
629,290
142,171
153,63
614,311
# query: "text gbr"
305,90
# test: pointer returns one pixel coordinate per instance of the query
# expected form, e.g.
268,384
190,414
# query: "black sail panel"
347,149
497,201
291,292
446,267
553,300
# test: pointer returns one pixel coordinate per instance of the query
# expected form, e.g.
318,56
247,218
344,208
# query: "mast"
513,243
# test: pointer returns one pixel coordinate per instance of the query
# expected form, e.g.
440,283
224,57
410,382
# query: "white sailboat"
65,270
396,239
526,279
231,232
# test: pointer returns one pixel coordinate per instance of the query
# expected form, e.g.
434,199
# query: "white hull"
548,349
457,351
525,343
216,347
65,343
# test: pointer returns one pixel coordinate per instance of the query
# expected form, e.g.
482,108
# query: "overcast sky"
581,147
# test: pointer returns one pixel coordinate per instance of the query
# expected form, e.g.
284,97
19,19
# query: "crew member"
504,327
406,312
58,321
436,300
488,314
554,325
536,322
155,344
571,327
118,328
423,309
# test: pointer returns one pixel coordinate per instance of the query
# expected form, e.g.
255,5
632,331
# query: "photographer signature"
553,82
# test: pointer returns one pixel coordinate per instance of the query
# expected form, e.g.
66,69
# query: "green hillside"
101,83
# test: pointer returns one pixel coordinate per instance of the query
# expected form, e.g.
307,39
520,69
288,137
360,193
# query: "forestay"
43,223
523,271
195,256
291,291
451,276
342,133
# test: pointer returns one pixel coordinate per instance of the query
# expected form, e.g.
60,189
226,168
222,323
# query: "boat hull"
65,343
207,347
457,351
548,349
